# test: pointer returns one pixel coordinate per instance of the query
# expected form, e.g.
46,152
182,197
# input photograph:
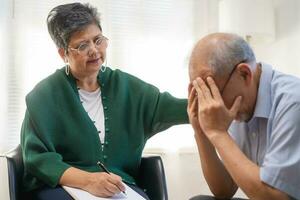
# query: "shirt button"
107,129
102,84
105,157
105,108
104,97
106,143
106,118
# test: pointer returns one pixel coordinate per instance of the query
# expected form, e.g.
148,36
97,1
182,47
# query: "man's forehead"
200,71
204,72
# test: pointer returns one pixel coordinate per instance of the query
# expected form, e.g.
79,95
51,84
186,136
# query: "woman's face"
86,51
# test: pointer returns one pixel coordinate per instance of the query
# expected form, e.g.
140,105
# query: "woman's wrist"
74,177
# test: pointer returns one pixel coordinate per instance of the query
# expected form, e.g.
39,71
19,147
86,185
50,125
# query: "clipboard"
79,194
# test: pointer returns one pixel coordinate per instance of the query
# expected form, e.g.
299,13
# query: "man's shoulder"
285,88
285,97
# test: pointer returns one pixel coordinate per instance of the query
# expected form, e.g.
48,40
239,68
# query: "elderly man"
259,151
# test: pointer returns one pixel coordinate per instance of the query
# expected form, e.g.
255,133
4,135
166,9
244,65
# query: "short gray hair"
64,20
228,53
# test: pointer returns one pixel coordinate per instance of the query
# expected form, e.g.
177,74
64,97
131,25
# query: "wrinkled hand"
192,109
214,118
104,184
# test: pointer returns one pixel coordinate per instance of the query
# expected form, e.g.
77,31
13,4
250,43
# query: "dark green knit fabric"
57,132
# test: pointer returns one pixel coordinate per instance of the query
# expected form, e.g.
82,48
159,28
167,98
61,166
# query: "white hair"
228,53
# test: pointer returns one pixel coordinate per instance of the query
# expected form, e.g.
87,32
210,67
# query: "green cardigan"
57,133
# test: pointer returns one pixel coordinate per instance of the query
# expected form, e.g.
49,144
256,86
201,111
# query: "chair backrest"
15,172
152,178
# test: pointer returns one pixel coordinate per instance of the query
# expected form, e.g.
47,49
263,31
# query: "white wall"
284,52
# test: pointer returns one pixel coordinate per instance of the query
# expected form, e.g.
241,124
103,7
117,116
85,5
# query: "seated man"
259,151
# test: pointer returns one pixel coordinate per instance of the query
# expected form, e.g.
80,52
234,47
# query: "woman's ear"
245,72
62,53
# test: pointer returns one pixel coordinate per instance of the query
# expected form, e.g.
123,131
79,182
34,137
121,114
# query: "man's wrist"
216,137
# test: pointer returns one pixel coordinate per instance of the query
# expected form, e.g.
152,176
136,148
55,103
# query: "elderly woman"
86,112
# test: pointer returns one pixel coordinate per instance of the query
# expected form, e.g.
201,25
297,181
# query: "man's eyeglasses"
229,77
85,48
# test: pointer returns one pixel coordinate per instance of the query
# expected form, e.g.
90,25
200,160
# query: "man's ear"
245,72
62,53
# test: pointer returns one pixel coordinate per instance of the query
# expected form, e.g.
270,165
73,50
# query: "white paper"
79,194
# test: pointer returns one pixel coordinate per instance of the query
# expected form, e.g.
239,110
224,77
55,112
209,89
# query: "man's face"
230,86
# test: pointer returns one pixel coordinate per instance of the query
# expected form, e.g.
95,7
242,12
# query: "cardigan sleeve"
42,163
164,110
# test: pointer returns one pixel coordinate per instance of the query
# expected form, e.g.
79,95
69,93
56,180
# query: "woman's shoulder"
123,76
48,83
126,82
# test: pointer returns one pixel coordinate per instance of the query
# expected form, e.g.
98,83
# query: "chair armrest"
152,178
15,172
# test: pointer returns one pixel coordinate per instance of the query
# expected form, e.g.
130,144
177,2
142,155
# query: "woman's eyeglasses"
85,48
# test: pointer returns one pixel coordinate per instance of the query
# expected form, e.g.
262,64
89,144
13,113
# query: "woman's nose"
93,50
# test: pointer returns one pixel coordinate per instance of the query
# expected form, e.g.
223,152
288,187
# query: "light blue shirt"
271,138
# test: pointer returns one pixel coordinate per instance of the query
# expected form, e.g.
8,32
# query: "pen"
101,165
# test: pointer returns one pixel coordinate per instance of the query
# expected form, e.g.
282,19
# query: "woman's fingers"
111,189
107,185
117,181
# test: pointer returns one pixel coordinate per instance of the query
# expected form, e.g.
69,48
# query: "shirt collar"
263,101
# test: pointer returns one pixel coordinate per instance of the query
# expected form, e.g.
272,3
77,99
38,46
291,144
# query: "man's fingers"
192,94
204,88
214,89
236,106
190,88
198,91
193,106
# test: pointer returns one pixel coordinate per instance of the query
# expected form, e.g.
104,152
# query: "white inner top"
92,104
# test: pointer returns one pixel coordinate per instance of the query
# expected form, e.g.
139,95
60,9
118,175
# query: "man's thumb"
236,106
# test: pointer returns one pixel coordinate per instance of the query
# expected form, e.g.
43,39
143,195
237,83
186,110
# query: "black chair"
152,178
205,197
151,175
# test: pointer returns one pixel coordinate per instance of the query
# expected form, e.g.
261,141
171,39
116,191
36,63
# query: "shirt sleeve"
47,166
281,166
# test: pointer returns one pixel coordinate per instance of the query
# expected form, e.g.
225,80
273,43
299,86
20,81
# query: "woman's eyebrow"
86,40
